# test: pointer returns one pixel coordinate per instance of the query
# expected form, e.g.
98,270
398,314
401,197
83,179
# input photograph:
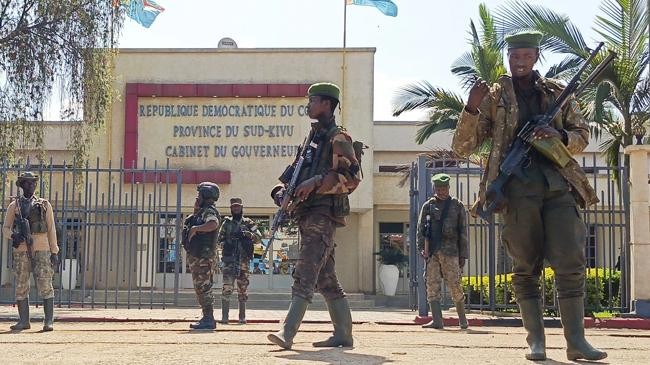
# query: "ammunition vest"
233,246
34,210
204,244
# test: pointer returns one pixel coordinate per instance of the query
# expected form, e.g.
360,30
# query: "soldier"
320,204
40,257
541,218
442,240
237,235
200,241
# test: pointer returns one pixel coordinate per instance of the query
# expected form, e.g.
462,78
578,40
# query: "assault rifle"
515,159
21,226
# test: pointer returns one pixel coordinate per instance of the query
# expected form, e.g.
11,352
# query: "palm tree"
484,60
621,96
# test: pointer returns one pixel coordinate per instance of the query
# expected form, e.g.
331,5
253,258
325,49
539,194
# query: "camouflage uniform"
202,256
43,273
236,259
443,256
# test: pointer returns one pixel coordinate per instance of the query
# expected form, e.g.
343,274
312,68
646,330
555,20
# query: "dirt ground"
173,343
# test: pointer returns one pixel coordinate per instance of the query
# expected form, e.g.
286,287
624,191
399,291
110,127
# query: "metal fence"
117,230
486,278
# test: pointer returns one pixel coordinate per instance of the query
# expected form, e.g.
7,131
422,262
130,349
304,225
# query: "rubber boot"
242,312
284,338
436,314
207,322
225,310
48,310
533,320
342,320
572,314
462,319
23,314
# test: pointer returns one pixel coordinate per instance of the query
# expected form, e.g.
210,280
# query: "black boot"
284,338
23,314
436,314
48,310
225,309
533,320
572,314
207,321
462,319
242,312
342,320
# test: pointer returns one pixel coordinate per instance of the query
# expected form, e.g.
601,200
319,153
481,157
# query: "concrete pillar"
639,229
366,264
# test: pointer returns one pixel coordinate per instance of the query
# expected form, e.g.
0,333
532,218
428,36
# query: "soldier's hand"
476,94
305,188
16,239
191,234
54,260
278,196
546,132
461,262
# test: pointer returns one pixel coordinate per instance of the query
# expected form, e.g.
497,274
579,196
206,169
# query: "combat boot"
297,309
572,315
533,320
436,315
225,309
242,312
48,310
462,319
207,321
23,315
342,320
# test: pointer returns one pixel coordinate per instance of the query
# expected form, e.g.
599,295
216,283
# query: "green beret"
440,180
524,39
325,89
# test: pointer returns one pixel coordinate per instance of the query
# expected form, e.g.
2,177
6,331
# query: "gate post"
423,174
639,229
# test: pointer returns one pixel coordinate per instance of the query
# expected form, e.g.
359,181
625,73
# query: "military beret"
440,180
235,201
324,89
524,39
27,175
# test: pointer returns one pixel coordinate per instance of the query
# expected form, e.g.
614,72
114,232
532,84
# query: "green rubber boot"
48,310
436,314
462,318
342,320
533,319
284,338
572,314
23,314
225,309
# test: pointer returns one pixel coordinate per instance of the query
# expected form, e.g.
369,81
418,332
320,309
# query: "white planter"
69,274
388,276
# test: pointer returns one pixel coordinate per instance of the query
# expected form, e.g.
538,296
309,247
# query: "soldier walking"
238,235
442,240
320,204
35,249
200,241
541,217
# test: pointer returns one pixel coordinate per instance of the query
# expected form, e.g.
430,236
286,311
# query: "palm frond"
433,126
565,69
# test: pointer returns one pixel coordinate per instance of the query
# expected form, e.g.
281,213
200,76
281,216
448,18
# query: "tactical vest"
232,246
204,244
320,163
34,210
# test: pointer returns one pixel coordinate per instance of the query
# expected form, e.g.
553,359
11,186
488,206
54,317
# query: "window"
590,247
167,247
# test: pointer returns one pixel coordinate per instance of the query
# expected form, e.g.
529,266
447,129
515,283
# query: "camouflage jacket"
230,243
454,227
497,121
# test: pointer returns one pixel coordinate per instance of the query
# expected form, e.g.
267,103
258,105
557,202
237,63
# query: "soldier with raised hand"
541,216
320,204
40,256
238,236
200,241
442,240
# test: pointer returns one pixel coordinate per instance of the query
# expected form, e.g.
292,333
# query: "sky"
420,43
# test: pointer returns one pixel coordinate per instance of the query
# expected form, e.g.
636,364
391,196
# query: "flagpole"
343,90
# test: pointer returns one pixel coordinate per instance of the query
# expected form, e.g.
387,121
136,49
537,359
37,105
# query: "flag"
142,11
385,6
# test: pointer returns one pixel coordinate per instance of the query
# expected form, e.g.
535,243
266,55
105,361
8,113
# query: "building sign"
221,133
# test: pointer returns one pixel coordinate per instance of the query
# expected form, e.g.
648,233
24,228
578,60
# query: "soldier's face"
316,107
442,192
522,61
236,209
28,187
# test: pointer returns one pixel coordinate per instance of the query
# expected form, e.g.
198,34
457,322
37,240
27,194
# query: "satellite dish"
227,43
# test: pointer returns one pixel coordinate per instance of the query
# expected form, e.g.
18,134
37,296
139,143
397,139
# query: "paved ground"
94,336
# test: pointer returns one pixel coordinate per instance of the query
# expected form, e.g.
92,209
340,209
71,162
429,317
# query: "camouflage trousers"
315,267
202,269
441,266
43,273
232,274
